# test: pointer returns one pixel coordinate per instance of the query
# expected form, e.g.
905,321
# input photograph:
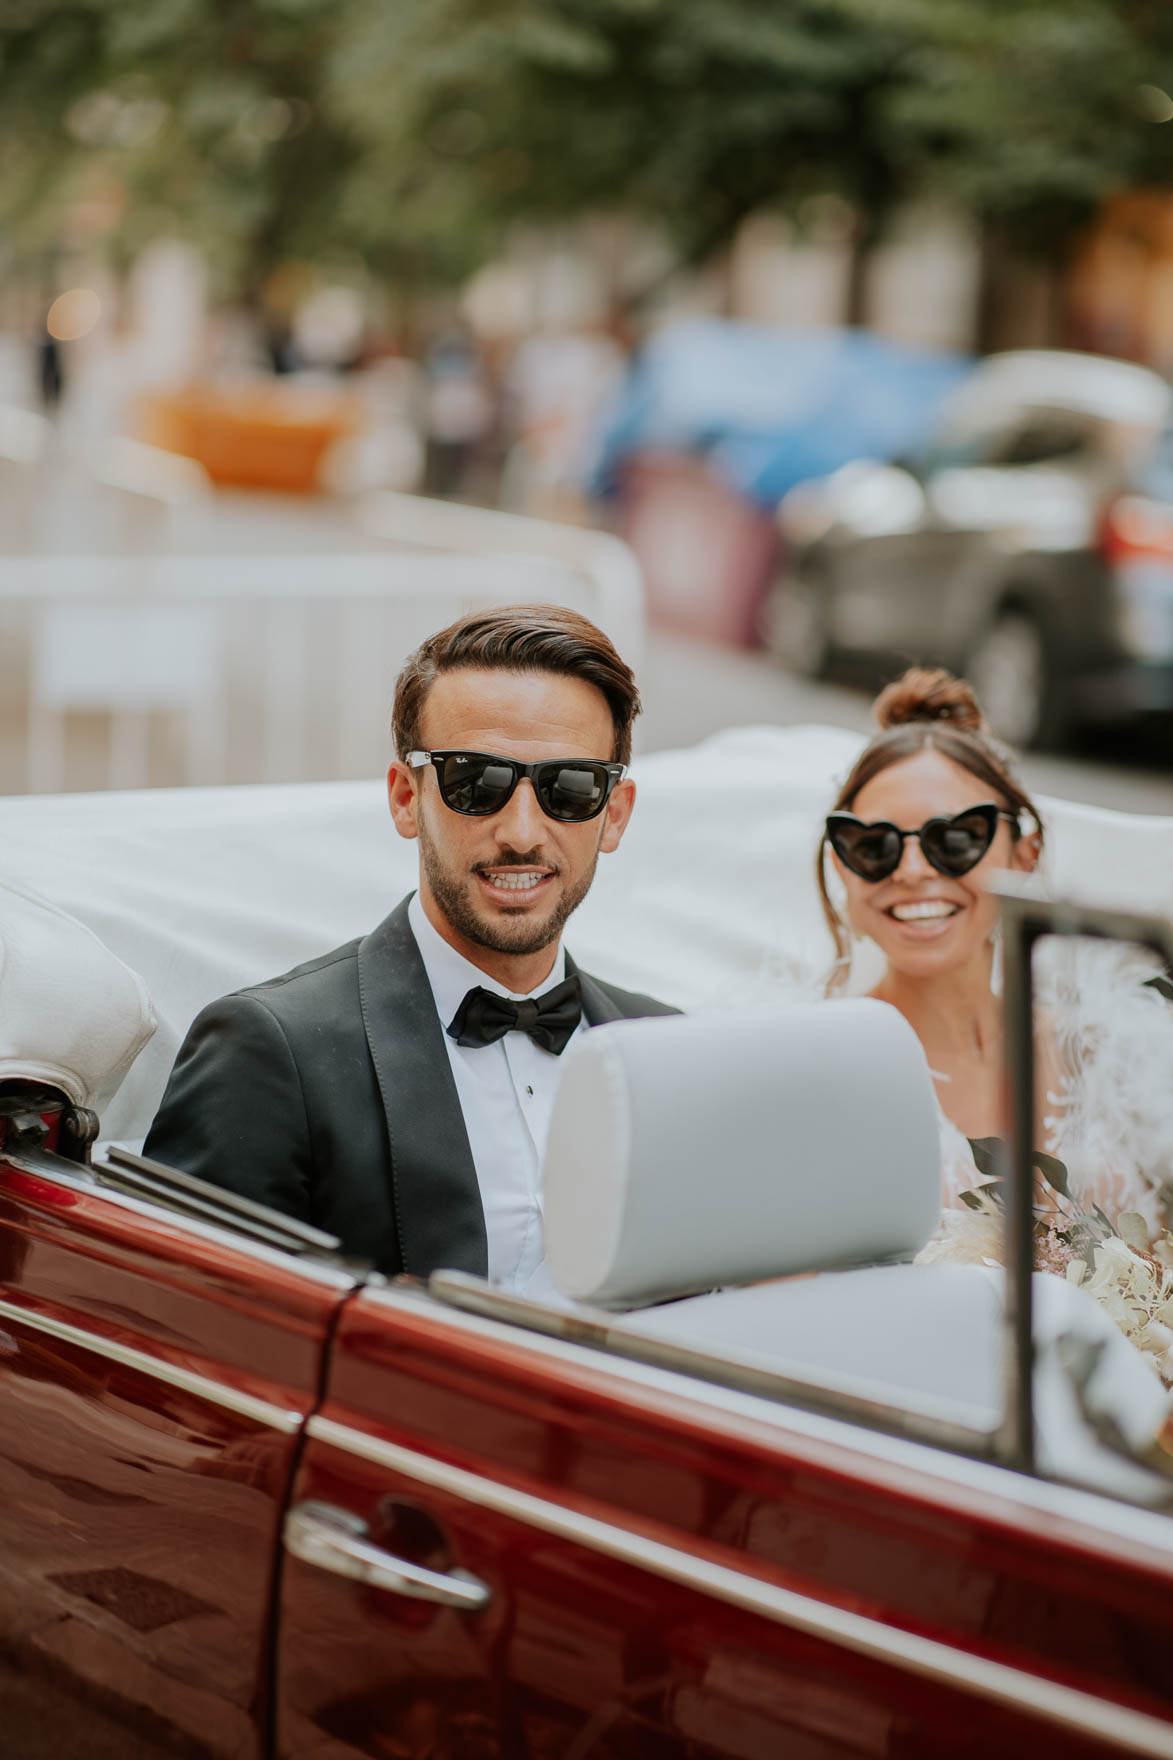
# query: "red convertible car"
257,1501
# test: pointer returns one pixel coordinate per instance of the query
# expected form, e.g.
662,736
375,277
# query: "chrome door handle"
332,1538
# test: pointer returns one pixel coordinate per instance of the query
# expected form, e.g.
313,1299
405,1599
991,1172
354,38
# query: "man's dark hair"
517,638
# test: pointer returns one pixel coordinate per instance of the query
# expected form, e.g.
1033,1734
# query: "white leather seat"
930,1339
692,1151
686,1154
863,1331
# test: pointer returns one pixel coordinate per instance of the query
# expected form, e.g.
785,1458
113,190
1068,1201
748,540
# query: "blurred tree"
415,133
1024,112
202,116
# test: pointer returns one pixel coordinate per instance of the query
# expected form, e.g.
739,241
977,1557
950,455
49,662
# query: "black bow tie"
550,1020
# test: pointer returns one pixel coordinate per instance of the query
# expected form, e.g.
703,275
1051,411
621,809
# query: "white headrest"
686,1152
71,1014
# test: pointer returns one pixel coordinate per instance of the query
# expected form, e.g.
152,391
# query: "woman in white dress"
930,810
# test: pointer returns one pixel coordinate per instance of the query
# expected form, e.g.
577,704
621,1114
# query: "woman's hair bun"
929,694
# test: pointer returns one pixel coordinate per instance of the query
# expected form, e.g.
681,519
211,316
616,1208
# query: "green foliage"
416,131
696,114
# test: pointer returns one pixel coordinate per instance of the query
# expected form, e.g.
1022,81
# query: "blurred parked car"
718,420
1030,546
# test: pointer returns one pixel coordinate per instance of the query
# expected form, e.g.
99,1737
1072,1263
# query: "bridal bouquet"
1130,1277
1133,1283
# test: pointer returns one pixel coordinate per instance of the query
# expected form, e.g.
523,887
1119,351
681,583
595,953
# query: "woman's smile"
923,916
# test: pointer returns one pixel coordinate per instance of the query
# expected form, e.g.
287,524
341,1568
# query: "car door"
155,1374
508,1545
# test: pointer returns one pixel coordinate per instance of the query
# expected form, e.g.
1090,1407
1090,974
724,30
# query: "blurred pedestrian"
562,386
458,411
50,371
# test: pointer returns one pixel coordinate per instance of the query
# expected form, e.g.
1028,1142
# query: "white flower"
1136,1291
1115,1258
1131,1227
966,1237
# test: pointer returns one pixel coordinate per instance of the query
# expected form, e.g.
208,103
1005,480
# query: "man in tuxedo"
397,1092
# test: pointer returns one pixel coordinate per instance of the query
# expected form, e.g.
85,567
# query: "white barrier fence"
123,671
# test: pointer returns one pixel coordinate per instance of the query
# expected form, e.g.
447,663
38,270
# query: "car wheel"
794,626
1010,670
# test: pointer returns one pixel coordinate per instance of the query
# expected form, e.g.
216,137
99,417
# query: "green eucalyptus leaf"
987,1155
1053,1171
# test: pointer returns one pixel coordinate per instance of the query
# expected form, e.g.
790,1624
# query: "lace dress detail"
1109,1120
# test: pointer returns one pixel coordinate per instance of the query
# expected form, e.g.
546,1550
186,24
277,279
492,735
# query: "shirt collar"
451,976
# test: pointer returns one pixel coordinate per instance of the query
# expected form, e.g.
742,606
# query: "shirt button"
529,1090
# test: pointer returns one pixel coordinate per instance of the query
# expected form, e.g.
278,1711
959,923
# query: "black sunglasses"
953,846
478,783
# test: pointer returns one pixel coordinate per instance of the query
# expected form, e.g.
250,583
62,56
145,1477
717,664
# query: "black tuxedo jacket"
328,1094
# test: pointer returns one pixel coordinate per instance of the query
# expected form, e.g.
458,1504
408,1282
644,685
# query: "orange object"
257,435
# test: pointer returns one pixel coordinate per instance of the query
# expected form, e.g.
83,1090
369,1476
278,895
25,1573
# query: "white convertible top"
710,902
72,1015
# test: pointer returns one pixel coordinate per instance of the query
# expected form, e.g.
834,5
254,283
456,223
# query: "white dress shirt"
506,1093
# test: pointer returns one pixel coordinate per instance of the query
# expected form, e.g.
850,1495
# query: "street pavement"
691,690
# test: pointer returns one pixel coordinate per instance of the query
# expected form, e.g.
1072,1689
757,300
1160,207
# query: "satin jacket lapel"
597,1006
439,1217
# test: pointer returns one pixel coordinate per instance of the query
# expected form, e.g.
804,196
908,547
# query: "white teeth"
514,882
917,913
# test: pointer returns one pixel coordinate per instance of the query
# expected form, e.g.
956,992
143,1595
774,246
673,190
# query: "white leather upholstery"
71,1014
930,1338
924,1335
711,1151
689,1152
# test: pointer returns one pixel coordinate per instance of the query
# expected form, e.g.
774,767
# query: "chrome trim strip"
58,1173
186,1194
1135,1731
1034,1501
245,1404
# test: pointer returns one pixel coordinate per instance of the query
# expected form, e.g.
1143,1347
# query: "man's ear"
616,815
403,799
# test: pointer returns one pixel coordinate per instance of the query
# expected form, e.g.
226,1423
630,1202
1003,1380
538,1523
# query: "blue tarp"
769,408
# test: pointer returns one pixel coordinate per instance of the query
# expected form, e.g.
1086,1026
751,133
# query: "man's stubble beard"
519,935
